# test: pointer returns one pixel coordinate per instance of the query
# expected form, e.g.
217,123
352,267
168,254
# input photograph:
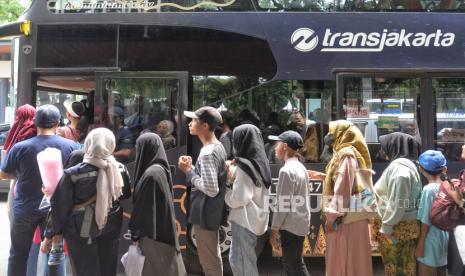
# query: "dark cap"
432,161
206,114
75,109
47,116
291,138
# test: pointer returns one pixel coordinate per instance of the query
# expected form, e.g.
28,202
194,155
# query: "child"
291,224
431,251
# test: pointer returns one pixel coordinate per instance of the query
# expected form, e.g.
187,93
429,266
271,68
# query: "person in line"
21,163
291,224
456,246
22,129
248,214
348,250
74,111
208,183
86,207
431,251
398,191
226,137
152,224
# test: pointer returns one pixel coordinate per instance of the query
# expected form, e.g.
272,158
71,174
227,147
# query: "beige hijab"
98,147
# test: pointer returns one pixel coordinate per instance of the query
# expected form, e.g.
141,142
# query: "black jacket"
76,187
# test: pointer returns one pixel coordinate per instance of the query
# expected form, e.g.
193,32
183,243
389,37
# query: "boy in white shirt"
292,223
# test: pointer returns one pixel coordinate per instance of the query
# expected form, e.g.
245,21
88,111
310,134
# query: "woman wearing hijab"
86,207
248,215
348,250
152,223
398,192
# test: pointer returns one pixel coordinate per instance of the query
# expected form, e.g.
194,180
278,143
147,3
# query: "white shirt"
247,202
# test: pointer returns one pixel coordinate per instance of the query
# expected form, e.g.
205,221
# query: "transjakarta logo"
305,40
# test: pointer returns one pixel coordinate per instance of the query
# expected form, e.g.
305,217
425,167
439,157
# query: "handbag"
133,261
445,214
362,204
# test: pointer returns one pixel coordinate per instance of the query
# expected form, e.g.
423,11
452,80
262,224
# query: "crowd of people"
230,181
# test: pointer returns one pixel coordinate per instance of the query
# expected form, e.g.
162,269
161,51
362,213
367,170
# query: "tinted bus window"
80,6
303,106
378,106
138,105
450,116
64,46
364,5
195,50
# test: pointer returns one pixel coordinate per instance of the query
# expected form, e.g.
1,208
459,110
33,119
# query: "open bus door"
145,100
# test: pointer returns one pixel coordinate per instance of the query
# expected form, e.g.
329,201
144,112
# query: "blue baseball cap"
432,161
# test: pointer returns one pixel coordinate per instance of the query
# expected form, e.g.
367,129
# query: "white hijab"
98,147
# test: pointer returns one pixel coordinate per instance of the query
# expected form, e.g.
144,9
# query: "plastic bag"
133,261
51,171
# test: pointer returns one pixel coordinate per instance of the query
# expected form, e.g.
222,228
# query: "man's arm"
207,182
4,175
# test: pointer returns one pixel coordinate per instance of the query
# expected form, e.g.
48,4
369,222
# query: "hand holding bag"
362,201
133,261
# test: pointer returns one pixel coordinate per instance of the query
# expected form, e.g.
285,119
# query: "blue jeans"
21,234
242,256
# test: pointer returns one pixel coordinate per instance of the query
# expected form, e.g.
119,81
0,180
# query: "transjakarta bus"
386,65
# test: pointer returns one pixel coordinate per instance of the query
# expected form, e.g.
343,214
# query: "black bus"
386,65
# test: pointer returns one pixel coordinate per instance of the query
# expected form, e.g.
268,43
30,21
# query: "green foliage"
10,10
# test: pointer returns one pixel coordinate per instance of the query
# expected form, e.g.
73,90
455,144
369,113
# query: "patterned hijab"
348,141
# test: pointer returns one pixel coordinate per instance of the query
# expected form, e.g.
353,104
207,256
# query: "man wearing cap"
291,217
74,111
208,182
21,163
431,251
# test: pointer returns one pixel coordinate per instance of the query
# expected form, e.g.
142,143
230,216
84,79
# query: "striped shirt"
207,181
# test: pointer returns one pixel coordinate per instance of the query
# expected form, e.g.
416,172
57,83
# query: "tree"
10,10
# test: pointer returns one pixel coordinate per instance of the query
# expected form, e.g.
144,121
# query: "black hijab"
399,145
149,151
153,215
74,158
250,154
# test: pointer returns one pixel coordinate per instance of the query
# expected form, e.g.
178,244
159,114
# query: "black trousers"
454,262
292,259
100,258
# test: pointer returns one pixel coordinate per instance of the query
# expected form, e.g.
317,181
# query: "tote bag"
362,203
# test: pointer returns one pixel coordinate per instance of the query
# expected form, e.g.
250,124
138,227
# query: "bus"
386,65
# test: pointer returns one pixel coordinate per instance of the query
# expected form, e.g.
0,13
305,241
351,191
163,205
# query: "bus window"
138,105
378,106
450,116
276,106
57,99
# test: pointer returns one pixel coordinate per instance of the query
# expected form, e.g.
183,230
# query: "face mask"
328,140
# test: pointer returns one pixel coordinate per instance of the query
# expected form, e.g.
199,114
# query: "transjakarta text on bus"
375,41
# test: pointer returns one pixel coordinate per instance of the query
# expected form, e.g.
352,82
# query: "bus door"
132,103
379,104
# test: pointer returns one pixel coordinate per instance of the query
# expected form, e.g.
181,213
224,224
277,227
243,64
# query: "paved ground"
268,266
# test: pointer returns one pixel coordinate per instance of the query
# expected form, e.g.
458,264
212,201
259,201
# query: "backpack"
445,214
